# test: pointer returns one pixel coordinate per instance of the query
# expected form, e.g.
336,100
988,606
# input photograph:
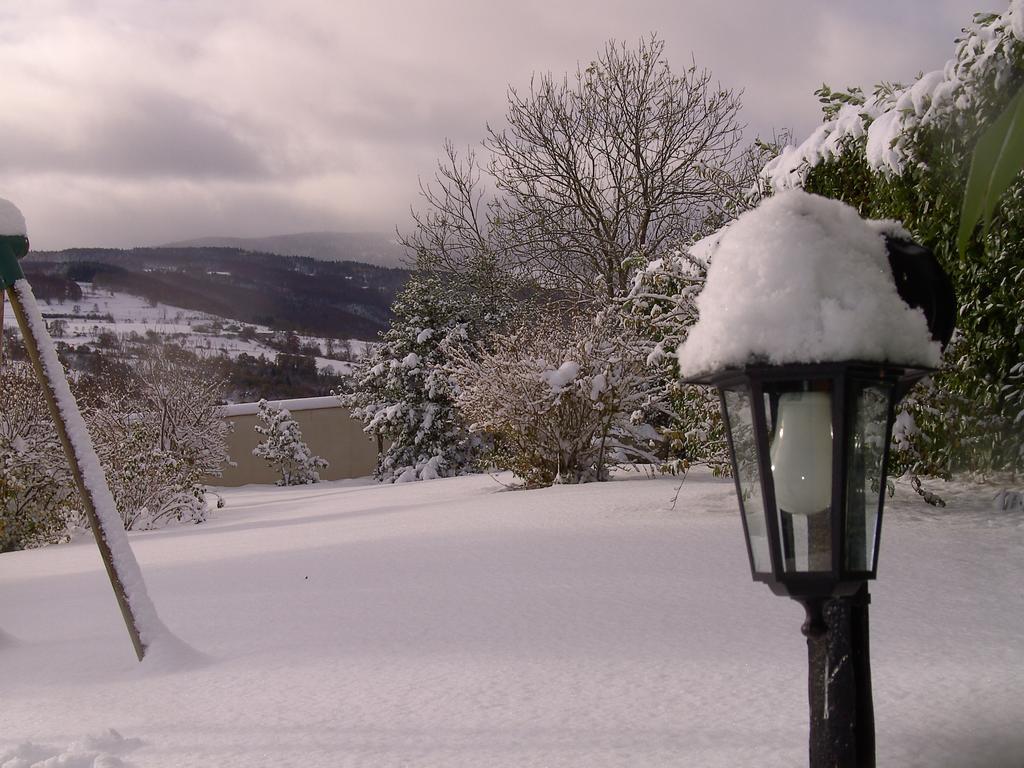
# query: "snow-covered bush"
404,393
901,153
157,435
659,310
37,495
155,432
558,398
151,486
181,396
283,447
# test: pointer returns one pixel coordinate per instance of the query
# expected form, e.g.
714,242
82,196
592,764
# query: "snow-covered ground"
456,623
101,311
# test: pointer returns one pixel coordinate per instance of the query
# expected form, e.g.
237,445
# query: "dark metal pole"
861,651
839,686
815,630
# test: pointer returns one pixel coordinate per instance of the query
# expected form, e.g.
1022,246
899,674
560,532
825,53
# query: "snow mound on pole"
803,279
11,220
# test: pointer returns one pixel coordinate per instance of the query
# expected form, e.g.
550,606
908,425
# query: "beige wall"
328,431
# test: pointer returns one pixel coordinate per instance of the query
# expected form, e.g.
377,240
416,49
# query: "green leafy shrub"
903,153
37,494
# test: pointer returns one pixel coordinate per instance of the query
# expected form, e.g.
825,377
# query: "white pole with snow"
144,626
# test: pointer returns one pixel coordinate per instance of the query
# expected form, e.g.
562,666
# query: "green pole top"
13,243
12,248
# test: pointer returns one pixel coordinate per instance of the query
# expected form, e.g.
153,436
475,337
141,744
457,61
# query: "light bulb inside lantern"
801,452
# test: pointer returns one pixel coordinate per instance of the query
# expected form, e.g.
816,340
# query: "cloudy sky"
137,122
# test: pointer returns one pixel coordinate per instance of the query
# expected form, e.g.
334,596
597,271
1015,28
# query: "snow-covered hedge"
658,313
903,153
885,126
558,398
157,435
37,496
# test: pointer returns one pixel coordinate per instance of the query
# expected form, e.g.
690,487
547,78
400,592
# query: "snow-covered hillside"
122,314
455,623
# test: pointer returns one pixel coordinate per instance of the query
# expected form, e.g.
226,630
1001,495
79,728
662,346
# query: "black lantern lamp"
809,444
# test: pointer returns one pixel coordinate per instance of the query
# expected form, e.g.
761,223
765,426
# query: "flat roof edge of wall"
296,404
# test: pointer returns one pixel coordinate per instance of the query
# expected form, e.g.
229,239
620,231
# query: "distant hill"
339,299
367,247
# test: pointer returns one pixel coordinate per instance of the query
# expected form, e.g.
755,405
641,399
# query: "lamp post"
809,445
809,442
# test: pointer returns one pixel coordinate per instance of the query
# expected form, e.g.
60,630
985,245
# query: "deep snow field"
456,623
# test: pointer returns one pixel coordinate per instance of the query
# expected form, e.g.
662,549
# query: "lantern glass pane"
866,473
748,478
800,424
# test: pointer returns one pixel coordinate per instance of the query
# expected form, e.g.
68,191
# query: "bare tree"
455,233
614,163
589,176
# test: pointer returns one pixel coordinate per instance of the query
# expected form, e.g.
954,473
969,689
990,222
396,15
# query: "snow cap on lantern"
804,279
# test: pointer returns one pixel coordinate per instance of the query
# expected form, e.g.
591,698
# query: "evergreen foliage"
283,447
659,310
404,393
913,168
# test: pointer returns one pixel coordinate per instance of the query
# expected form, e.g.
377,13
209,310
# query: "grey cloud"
162,135
149,122
101,212
391,117
145,134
